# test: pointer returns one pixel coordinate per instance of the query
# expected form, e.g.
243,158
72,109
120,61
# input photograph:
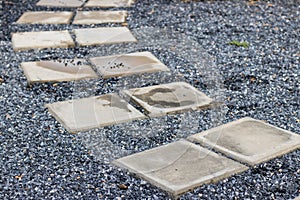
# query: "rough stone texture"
88,113
249,140
50,71
40,40
108,3
169,98
94,36
60,3
128,64
98,17
180,166
45,17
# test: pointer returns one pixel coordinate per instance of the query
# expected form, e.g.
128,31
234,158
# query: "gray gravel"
40,160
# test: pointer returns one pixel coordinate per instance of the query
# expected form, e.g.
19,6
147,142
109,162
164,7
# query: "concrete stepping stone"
95,36
180,166
94,112
99,17
249,140
128,64
56,71
45,17
40,40
169,98
60,3
108,3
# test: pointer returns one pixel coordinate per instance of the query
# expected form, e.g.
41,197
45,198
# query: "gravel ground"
40,160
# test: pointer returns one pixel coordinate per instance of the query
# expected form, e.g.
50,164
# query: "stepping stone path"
249,140
40,40
88,113
176,167
128,64
55,71
108,3
77,69
169,98
180,166
45,17
95,112
95,36
61,3
81,17
62,39
99,17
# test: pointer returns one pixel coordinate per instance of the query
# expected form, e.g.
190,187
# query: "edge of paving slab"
23,48
130,72
175,194
129,3
210,104
80,21
76,130
56,117
30,82
79,37
250,160
22,18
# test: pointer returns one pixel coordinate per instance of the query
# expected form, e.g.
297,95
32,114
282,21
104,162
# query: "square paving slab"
61,3
40,40
88,113
169,98
53,71
108,3
249,140
98,17
180,166
128,64
45,17
94,36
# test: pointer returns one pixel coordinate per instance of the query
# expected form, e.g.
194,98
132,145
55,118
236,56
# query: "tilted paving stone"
249,140
94,112
128,64
180,166
55,71
40,40
108,3
61,3
104,35
169,98
45,17
99,17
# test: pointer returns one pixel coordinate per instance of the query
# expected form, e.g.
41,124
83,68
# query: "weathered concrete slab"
180,166
88,113
45,17
169,98
95,36
40,40
108,3
249,140
60,3
99,17
128,64
55,71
